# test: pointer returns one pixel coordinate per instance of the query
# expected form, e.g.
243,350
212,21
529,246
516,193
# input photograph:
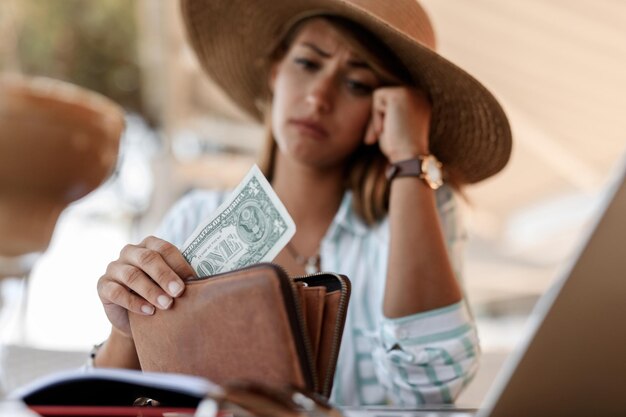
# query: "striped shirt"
424,358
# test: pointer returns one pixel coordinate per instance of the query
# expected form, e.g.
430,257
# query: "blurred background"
557,66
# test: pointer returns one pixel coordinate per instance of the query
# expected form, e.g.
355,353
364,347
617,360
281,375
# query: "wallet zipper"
336,339
300,318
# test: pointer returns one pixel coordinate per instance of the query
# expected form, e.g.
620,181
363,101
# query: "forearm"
419,276
117,352
427,358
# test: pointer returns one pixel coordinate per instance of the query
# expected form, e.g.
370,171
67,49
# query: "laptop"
572,361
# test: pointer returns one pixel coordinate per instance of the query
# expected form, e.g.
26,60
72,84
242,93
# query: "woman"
358,108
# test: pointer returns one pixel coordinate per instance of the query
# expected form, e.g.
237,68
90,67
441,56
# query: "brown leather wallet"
254,324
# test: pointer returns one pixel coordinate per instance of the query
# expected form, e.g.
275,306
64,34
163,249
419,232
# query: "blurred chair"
58,142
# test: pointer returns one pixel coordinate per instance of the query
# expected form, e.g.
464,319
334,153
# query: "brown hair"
365,170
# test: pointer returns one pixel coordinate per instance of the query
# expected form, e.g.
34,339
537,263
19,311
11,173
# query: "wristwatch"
426,167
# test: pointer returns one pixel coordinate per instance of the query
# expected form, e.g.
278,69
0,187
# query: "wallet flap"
332,329
312,301
334,316
241,325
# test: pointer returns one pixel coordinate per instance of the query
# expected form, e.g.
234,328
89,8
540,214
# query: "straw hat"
470,133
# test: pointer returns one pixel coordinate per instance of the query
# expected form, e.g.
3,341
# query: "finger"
379,122
135,279
370,135
172,256
379,101
113,295
152,263
378,112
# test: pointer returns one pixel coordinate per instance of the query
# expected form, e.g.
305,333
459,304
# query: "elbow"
433,374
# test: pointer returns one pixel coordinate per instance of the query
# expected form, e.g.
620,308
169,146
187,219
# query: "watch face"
431,168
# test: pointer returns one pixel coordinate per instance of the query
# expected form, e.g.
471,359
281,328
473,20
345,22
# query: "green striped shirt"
423,358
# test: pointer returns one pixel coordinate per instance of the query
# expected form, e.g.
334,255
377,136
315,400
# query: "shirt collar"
347,219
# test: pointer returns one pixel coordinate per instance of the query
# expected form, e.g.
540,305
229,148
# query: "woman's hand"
146,276
400,122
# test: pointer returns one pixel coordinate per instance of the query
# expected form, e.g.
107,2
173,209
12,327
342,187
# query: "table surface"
436,411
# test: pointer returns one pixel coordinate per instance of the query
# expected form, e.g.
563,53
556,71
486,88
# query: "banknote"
251,226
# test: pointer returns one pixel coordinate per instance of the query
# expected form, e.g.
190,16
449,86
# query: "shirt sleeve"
430,356
427,357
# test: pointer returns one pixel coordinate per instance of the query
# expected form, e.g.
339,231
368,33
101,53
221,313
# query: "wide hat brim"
469,132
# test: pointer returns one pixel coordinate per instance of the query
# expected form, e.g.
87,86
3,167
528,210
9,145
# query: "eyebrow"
355,63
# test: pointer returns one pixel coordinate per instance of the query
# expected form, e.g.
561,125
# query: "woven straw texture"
470,132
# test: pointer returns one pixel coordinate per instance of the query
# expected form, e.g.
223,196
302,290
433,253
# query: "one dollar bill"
251,226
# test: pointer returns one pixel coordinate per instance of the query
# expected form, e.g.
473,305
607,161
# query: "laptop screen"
573,361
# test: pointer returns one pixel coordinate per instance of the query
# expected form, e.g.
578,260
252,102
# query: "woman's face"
322,92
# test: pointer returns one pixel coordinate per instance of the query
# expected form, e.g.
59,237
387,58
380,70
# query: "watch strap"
406,168
425,167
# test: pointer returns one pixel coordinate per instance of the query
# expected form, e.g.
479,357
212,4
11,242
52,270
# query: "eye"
306,64
359,88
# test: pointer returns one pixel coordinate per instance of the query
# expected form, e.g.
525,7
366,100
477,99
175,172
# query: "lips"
310,127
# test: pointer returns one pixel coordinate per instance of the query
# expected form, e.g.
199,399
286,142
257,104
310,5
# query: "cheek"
355,120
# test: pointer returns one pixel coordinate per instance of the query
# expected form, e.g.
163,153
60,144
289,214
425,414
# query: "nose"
321,94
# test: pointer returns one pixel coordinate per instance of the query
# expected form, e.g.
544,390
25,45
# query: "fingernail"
175,288
164,301
147,309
